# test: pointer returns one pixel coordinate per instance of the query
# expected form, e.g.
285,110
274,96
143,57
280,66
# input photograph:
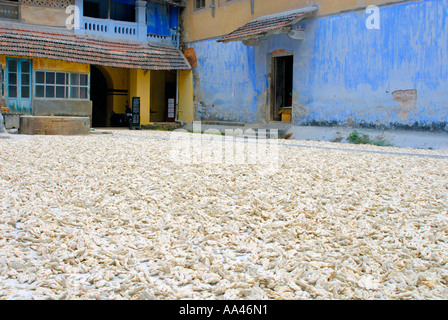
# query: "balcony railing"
123,29
9,10
172,39
110,28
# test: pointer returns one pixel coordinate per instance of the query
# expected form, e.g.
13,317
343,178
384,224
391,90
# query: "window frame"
12,4
197,8
111,12
68,86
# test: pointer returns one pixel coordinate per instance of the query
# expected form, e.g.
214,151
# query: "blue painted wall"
343,72
161,18
227,81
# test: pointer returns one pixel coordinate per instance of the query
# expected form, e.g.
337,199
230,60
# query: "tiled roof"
62,44
267,24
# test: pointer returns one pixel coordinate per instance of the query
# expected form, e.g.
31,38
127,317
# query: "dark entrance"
98,95
170,98
281,87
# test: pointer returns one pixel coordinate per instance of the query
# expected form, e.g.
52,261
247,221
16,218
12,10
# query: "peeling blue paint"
343,72
161,18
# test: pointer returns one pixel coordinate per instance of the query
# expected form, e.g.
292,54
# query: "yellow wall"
148,85
58,65
200,24
185,111
139,86
52,65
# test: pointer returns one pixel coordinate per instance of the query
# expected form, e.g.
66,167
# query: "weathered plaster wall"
343,72
51,65
43,15
227,84
59,65
229,16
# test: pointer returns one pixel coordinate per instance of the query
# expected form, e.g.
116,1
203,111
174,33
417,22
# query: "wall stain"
408,101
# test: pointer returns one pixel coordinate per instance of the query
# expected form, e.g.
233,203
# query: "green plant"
357,138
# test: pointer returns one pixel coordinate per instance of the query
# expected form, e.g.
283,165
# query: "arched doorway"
98,95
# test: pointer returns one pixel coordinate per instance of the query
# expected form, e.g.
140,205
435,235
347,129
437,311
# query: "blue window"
18,84
61,85
161,18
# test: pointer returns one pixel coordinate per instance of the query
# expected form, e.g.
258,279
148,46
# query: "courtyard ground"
118,216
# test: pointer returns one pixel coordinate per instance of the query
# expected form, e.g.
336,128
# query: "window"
12,78
62,85
120,10
96,9
199,4
9,9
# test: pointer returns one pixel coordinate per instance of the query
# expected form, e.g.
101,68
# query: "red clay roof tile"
267,24
61,44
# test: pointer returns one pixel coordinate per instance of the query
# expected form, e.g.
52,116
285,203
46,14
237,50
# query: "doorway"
170,99
163,96
98,95
281,87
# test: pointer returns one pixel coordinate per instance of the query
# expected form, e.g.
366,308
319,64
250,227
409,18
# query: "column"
139,86
185,98
140,17
79,12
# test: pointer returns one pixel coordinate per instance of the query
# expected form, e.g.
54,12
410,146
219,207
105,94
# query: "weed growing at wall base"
357,138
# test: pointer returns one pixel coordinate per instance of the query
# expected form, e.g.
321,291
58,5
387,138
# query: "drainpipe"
213,6
178,28
177,100
252,6
177,72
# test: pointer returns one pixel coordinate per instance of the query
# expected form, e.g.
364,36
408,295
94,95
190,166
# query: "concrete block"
45,125
12,121
61,107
